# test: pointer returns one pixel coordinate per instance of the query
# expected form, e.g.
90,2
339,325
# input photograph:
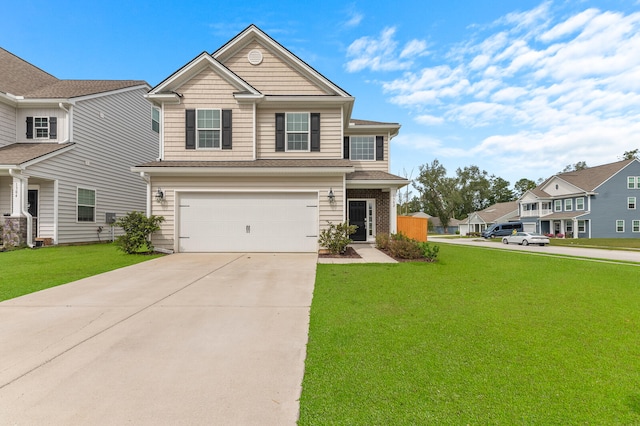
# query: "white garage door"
248,222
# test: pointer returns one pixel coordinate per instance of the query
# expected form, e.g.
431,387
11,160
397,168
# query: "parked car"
525,238
501,229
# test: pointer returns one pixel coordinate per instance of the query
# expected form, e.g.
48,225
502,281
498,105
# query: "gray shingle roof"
357,122
590,178
498,210
19,77
372,175
19,153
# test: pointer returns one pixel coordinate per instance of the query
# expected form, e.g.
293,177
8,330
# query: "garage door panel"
245,222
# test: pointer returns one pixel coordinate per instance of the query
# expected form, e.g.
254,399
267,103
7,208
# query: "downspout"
24,211
255,144
146,178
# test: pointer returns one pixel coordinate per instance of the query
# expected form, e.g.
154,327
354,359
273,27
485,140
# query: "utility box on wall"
110,218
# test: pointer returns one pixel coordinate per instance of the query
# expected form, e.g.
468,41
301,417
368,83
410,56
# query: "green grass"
481,337
629,243
25,271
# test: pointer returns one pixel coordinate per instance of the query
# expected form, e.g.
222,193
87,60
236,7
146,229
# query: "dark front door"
358,217
32,206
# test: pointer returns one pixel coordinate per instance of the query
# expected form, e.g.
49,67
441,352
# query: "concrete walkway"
368,254
187,339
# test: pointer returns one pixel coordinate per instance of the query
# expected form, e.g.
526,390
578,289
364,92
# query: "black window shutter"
379,148
226,129
280,131
346,148
53,127
190,127
315,131
29,127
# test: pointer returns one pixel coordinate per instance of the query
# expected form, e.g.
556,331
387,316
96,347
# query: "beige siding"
7,124
272,76
382,166
328,212
330,134
112,134
208,90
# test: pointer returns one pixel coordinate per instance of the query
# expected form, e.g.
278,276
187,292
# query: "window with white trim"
155,119
582,226
41,127
557,205
297,131
86,202
619,225
633,182
635,226
580,203
568,204
208,128
363,148
631,203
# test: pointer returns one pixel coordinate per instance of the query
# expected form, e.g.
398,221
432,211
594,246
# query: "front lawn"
28,270
481,337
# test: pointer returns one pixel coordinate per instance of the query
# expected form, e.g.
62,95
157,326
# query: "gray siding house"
481,220
66,149
596,202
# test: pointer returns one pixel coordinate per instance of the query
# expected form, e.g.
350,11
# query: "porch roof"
563,215
18,154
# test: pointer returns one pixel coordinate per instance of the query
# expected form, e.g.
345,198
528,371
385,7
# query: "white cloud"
429,120
381,54
355,19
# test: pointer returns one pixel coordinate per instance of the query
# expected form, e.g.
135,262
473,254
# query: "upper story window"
568,204
363,148
631,203
557,205
208,128
297,131
155,120
580,203
633,182
42,127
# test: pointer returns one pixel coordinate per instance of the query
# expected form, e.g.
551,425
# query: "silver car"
525,238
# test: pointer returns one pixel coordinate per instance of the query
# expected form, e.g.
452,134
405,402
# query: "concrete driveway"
186,339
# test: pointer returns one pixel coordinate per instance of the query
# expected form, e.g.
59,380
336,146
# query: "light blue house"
596,202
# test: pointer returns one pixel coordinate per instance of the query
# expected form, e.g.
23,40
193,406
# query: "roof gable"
195,67
239,46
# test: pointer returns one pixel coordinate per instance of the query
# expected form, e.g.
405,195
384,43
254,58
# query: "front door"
32,206
358,217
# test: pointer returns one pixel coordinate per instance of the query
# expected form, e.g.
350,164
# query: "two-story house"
596,202
258,152
66,149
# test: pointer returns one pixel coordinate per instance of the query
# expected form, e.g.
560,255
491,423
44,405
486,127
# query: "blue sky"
518,88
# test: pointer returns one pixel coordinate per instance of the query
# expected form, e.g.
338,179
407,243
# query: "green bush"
138,229
335,238
382,241
429,252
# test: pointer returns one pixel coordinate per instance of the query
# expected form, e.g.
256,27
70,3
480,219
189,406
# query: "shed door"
248,222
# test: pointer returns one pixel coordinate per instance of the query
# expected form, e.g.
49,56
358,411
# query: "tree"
499,191
580,165
630,155
522,186
474,189
438,192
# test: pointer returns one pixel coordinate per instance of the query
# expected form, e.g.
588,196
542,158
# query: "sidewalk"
367,252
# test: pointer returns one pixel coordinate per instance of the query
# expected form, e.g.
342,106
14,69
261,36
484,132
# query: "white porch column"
393,214
17,197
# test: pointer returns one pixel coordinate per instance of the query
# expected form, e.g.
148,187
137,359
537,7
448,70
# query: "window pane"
297,122
208,119
636,226
619,225
362,148
631,182
86,197
85,214
297,142
208,138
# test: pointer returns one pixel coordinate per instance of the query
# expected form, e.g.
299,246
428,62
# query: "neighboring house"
259,152
596,202
66,149
435,224
481,220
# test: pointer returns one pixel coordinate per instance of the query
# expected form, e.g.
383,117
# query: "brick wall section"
382,205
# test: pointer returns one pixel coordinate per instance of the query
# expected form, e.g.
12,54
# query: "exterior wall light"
159,195
331,196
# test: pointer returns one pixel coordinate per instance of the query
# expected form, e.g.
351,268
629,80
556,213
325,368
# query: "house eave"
377,183
254,171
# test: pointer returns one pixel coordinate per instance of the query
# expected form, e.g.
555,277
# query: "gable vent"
255,57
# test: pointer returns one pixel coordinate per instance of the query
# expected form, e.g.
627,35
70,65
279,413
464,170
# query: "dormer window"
42,127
